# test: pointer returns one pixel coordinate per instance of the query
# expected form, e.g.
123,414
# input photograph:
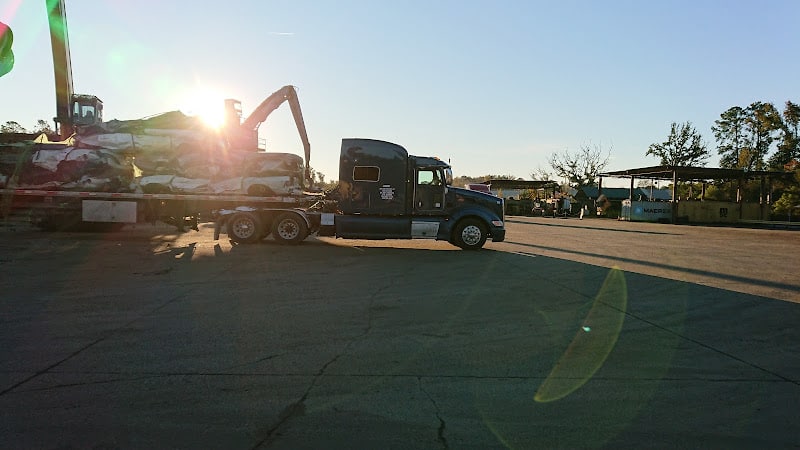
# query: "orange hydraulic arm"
249,126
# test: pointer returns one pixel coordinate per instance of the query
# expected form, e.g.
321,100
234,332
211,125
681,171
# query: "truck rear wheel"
289,228
244,228
470,234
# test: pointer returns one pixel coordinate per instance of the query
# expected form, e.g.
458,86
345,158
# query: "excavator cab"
233,112
82,111
239,137
86,110
242,134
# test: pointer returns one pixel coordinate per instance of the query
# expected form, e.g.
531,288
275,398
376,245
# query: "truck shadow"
482,331
680,269
565,224
374,328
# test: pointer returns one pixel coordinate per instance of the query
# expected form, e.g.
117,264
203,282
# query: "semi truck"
383,193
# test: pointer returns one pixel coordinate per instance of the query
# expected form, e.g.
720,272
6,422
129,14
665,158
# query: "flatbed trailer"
383,193
53,209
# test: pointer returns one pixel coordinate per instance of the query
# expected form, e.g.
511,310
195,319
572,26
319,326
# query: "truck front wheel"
289,228
470,234
244,228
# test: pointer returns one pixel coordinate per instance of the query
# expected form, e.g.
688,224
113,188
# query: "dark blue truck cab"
385,193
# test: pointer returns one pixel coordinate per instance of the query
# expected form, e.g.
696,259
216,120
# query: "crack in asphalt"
133,376
298,408
89,383
250,363
684,337
52,366
442,424
706,346
107,334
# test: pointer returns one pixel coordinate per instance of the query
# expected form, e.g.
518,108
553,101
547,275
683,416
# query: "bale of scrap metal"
71,168
168,161
13,157
175,153
257,174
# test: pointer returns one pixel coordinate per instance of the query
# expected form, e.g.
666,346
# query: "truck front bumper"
498,234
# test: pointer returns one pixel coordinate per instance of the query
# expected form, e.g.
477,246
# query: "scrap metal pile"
169,153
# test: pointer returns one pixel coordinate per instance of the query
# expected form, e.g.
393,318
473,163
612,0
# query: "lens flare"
592,344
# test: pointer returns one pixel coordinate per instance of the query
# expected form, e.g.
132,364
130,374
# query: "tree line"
745,136
755,137
13,127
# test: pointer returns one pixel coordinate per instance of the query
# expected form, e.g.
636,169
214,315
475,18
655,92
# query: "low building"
647,208
589,199
516,194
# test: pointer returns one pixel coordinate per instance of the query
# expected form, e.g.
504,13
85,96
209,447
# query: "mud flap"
217,228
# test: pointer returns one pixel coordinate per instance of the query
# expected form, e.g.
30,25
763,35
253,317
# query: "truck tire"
244,228
470,234
289,228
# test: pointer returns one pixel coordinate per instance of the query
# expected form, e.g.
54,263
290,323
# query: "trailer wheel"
244,228
470,234
289,228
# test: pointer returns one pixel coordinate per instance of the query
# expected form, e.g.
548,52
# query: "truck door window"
429,177
429,190
424,177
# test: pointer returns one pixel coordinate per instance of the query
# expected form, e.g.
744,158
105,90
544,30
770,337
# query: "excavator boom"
247,136
62,65
71,110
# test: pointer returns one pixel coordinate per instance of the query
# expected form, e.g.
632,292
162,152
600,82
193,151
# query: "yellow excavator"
72,110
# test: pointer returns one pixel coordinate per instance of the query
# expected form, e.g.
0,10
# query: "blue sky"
493,86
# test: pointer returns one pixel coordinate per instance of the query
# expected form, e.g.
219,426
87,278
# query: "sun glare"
208,105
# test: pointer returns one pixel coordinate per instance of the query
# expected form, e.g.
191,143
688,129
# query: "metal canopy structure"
687,173
701,174
520,184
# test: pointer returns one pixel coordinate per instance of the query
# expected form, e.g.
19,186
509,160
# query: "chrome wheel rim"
471,235
243,228
288,230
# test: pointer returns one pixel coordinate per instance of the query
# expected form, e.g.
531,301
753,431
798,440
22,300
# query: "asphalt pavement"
571,334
